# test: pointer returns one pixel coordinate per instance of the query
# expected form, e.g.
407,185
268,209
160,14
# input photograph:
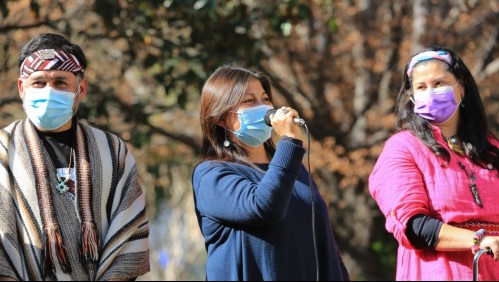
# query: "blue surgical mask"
48,108
253,130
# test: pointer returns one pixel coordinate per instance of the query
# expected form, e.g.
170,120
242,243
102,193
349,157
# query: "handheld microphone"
298,121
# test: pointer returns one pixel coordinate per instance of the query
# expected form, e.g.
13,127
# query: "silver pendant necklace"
62,185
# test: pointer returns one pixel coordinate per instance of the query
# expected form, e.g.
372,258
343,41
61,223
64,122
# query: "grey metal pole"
475,261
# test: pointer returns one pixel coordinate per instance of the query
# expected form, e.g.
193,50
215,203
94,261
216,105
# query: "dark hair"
472,128
53,41
223,92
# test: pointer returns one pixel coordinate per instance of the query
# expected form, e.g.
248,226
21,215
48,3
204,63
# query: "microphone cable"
314,237
302,122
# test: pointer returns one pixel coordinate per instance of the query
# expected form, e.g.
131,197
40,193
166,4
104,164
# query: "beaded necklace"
456,147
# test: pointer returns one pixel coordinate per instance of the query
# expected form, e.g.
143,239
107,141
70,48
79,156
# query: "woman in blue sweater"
253,199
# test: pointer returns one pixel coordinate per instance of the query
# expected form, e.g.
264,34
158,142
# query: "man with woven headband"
71,206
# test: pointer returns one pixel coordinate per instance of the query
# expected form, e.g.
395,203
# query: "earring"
462,102
226,141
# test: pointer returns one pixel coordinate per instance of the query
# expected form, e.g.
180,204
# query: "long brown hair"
222,92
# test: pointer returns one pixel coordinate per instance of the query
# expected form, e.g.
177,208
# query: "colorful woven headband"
428,55
49,59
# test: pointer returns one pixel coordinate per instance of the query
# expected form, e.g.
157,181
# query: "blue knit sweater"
259,226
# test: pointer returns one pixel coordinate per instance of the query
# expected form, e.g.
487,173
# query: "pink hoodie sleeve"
396,183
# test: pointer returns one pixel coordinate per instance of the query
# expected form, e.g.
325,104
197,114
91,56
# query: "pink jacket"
409,179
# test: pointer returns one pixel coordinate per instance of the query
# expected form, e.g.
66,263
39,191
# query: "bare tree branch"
487,52
9,28
420,11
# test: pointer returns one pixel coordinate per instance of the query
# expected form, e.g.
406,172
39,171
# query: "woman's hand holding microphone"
285,121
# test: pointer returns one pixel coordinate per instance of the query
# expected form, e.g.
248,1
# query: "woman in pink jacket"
437,179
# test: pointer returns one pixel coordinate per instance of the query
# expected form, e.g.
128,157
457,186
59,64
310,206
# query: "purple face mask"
436,104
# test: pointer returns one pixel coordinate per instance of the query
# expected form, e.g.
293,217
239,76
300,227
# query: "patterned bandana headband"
49,59
428,55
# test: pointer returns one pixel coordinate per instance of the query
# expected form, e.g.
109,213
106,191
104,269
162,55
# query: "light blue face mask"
253,130
48,108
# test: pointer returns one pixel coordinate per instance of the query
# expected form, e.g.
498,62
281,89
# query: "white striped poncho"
117,205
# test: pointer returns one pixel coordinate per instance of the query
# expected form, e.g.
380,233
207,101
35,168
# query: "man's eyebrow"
60,77
36,77
42,77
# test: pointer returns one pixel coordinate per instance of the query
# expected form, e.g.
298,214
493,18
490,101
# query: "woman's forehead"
431,70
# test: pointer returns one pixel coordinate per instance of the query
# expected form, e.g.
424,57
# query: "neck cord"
62,186
472,177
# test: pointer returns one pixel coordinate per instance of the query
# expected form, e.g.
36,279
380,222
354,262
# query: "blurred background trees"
339,63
